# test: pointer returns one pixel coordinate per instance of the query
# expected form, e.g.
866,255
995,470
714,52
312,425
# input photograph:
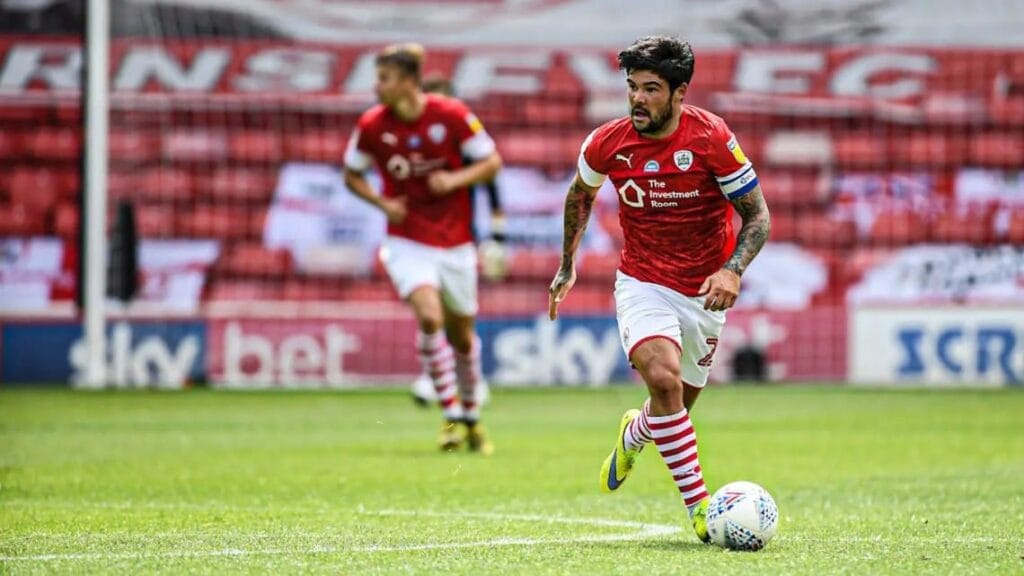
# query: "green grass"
868,482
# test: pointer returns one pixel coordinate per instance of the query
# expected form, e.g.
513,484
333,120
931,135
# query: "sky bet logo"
985,352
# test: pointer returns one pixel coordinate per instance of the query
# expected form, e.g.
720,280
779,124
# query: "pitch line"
639,531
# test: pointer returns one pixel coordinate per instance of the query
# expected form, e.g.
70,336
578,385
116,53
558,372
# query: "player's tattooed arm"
754,231
578,204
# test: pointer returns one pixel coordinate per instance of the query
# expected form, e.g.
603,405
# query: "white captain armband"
590,177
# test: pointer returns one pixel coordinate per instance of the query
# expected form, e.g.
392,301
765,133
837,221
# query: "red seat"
794,188
1015,230
17,221
26,114
256,146
133,146
66,222
36,190
824,231
214,222
194,145
122,183
533,264
997,149
10,145
898,228
930,149
254,260
226,290
155,221
314,290
240,184
61,144
860,149
552,112
164,184
316,147
972,227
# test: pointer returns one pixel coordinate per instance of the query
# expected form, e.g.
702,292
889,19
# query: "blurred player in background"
418,142
679,173
491,250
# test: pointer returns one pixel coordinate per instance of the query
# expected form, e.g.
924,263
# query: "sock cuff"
430,342
670,419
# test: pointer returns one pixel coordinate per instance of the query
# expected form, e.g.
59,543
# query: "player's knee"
663,381
430,323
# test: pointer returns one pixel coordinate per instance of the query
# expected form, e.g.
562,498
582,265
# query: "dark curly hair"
669,58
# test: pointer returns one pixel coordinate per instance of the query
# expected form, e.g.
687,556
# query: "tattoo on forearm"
753,233
578,204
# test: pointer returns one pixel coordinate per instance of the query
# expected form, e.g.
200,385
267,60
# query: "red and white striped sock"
638,432
439,362
677,443
468,374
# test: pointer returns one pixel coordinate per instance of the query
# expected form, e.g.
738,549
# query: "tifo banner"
37,272
140,354
33,273
945,274
800,81
971,345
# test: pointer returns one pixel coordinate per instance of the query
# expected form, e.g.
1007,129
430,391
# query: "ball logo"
399,167
683,159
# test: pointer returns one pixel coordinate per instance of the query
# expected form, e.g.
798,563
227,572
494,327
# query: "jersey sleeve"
474,141
590,167
735,174
358,152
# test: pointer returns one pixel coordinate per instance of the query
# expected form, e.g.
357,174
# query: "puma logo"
627,159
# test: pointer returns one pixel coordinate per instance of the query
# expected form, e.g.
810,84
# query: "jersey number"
707,359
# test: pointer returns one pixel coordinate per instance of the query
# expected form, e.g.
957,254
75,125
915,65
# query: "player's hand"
395,209
560,286
722,289
441,182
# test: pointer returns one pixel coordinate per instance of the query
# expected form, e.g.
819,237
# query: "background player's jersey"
407,152
674,195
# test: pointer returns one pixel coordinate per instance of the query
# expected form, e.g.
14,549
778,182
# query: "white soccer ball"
742,516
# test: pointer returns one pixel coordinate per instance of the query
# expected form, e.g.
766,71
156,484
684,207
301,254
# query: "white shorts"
411,264
645,311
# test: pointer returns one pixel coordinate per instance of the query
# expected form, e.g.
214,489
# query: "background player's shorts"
411,264
645,310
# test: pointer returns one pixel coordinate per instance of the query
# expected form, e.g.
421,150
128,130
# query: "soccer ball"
742,516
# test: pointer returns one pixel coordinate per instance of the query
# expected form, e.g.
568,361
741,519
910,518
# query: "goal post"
96,99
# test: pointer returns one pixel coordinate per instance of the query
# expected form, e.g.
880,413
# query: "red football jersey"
674,195
406,152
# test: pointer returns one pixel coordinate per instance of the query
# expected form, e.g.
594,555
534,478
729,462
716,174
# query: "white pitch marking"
642,531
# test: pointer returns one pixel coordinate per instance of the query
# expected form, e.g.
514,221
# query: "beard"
656,119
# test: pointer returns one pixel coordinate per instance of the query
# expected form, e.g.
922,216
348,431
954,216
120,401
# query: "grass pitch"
868,482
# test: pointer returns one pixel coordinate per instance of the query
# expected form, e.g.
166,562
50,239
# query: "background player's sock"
437,359
677,443
468,375
638,432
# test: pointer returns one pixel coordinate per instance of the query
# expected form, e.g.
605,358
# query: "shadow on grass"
660,544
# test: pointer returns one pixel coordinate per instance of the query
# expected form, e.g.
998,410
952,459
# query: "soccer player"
679,173
418,142
491,252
